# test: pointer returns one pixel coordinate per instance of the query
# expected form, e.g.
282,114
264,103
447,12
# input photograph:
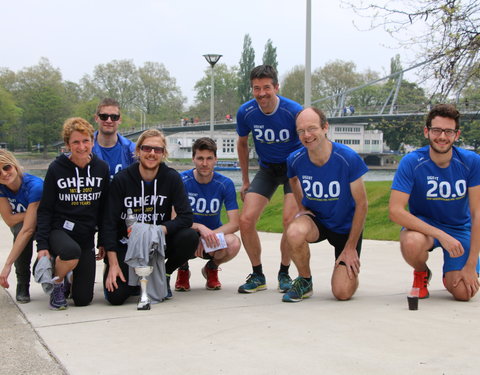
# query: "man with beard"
152,190
441,185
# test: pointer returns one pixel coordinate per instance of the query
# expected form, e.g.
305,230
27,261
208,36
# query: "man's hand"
349,256
4,275
243,190
111,280
451,245
101,253
470,278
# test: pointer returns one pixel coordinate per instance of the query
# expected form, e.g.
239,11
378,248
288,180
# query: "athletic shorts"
337,240
462,235
267,180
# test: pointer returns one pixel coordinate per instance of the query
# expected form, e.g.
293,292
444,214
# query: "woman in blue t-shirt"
20,195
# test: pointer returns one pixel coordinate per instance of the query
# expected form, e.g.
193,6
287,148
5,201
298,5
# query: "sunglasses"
105,116
148,149
7,167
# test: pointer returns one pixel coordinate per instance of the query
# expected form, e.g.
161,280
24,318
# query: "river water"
372,175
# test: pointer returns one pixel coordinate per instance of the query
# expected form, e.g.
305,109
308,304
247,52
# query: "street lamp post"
212,59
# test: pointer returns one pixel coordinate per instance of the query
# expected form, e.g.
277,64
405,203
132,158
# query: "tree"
226,95
117,79
446,33
158,96
270,55
247,63
332,81
41,95
293,84
9,115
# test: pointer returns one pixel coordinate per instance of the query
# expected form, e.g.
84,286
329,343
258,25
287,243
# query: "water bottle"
130,220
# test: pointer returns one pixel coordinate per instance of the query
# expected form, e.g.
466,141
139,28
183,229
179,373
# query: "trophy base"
143,305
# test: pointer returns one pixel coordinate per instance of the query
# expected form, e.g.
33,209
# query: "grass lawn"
377,226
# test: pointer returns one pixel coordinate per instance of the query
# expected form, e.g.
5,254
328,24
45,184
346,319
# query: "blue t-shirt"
439,195
30,191
207,199
326,189
117,157
275,134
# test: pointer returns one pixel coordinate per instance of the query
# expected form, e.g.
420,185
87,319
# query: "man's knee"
296,232
343,288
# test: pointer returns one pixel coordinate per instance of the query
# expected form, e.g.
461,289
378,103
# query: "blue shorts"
462,235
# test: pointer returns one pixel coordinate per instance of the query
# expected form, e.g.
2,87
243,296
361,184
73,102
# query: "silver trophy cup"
143,272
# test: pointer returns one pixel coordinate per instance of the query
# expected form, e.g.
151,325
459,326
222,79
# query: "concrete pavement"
223,332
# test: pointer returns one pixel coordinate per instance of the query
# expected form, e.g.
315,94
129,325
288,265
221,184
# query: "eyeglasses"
438,131
148,149
7,167
105,116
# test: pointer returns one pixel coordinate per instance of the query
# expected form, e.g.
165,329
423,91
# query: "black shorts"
267,180
337,240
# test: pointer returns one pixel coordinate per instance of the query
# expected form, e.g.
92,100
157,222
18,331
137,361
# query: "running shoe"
255,283
301,288
284,282
211,275
420,280
57,298
183,281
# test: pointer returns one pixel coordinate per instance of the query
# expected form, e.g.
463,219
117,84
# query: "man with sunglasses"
110,146
441,185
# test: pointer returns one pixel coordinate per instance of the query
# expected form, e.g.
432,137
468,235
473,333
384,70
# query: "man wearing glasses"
441,185
110,146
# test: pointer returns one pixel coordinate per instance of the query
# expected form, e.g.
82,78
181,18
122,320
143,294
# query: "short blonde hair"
6,157
78,124
149,134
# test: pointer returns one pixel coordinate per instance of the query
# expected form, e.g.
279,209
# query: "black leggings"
22,264
65,247
180,247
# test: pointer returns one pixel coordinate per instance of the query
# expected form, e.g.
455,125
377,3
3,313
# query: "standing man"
326,178
440,184
271,119
152,190
110,146
208,191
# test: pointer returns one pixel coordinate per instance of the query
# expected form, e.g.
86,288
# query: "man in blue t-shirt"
207,192
271,120
110,146
326,179
441,185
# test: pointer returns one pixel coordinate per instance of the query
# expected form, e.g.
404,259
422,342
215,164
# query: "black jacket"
73,200
151,202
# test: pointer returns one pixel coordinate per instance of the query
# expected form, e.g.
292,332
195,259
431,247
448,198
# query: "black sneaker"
23,293
57,298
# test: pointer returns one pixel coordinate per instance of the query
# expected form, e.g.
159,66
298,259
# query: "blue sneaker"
284,282
255,283
57,298
301,288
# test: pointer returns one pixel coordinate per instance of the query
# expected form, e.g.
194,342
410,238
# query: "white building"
180,144
356,137
353,135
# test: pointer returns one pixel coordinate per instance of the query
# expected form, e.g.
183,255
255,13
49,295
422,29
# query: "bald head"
311,115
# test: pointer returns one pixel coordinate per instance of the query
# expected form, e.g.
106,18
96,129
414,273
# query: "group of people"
105,177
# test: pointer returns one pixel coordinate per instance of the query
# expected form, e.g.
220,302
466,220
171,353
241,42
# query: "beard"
150,166
438,150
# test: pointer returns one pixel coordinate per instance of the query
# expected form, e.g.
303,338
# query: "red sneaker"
183,281
212,278
420,280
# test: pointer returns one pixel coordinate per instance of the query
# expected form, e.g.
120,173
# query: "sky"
78,35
